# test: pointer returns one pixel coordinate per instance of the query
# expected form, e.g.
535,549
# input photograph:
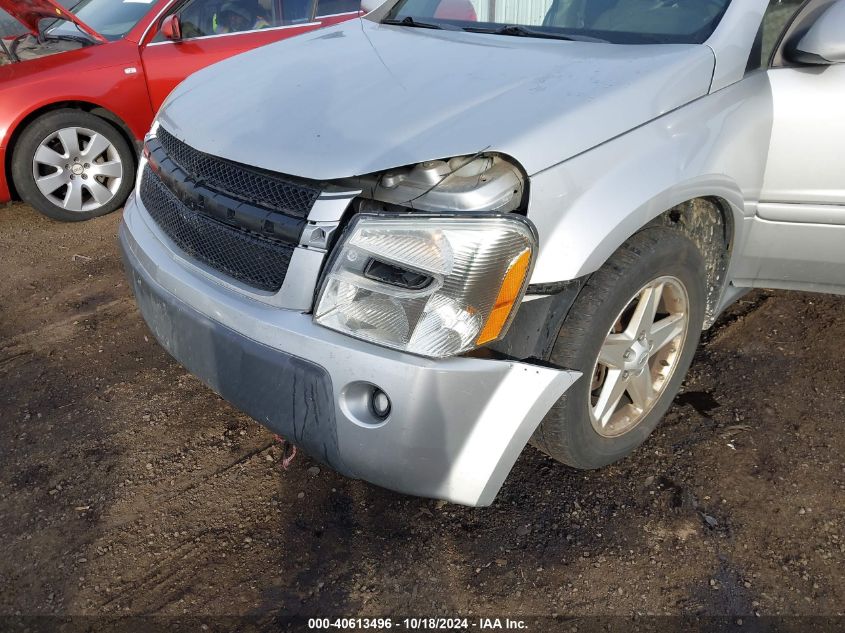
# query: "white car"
414,242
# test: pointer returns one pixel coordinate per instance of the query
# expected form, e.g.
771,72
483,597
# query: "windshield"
112,19
9,26
617,21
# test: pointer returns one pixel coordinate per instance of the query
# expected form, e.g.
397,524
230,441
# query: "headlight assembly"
465,184
430,285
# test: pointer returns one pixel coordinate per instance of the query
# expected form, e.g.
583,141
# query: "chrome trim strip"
206,37
336,15
331,208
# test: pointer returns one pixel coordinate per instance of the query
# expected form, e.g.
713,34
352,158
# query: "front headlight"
429,285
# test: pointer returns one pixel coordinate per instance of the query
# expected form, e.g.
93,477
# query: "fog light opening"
380,404
365,404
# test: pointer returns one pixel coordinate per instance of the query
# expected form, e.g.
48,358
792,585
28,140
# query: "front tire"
72,165
632,332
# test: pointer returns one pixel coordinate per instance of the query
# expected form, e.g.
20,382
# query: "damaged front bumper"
456,426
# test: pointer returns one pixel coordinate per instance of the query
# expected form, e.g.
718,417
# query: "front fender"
108,76
586,207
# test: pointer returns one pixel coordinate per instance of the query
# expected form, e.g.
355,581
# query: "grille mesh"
258,261
240,181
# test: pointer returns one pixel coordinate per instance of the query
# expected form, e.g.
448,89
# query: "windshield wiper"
9,53
83,39
82,36
409,21
517,30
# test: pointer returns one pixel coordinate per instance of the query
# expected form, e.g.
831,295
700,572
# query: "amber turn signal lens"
508,294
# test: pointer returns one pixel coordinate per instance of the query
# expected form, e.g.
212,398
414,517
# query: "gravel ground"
127,488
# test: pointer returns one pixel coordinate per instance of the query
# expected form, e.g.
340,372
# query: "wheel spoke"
46,156
611,393
96,146
48,184
635,367
70,141
100,193
666,330
641,389
111,169
646,310
73,197
612,353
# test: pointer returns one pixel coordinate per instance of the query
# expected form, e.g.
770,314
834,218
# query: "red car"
79,89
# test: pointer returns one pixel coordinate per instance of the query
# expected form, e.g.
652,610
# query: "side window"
332,7
201,18
296,11
777,18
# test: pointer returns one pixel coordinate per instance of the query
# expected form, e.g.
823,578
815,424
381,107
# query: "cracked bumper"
456,426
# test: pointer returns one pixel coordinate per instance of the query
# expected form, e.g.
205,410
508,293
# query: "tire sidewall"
673,255
40,129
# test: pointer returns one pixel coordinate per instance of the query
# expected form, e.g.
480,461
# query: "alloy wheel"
77,169
639,356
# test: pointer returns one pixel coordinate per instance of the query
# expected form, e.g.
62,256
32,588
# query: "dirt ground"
128,488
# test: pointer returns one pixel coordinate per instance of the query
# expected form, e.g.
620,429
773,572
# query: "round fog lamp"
380,403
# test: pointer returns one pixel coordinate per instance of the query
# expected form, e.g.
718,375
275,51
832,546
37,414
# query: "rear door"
213,30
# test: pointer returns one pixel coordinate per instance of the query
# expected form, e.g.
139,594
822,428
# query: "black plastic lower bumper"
287,394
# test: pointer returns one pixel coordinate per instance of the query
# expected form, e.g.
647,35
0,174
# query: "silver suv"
414,242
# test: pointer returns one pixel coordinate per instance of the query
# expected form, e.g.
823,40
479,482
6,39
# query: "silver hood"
363,97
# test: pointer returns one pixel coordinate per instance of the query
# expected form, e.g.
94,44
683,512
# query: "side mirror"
171,28
368,6
824,42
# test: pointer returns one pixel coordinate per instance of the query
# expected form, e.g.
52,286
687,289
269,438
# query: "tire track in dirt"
174,571
51,334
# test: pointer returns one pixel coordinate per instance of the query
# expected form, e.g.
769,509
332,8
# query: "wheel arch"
709,220
85,106
710,223
709,210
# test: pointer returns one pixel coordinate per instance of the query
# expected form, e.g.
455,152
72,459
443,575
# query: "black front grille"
256,260
245,183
